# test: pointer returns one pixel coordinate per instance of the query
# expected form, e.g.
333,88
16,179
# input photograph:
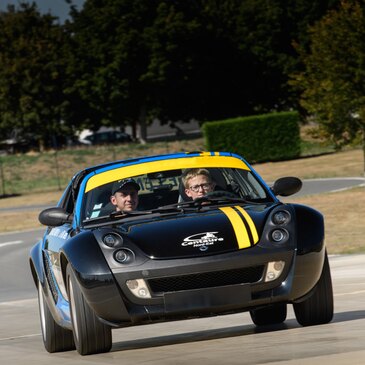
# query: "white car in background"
104,135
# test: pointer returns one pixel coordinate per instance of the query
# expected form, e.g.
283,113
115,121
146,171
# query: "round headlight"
281,217
124,256
113,240
278,235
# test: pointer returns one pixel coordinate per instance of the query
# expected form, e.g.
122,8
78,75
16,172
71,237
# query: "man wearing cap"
125,195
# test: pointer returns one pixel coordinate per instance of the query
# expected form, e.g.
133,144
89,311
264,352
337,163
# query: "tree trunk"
134,130
41,145
363,148
142,125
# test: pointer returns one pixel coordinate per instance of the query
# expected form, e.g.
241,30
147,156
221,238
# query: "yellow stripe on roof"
251,224
239,227
206,154
205,160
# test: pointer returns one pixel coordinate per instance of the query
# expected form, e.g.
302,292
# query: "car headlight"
281,217
124,256
112,240
279,235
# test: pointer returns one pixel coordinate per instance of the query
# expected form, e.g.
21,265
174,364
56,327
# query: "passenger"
125,195
197,182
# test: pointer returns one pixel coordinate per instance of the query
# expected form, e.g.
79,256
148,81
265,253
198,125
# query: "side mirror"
286,186
54,217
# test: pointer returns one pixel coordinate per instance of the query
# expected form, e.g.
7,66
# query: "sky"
56,7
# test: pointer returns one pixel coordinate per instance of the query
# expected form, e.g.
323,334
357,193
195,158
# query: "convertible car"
238,248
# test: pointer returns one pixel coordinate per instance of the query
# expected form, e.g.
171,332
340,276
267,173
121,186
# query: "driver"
125,195
197,182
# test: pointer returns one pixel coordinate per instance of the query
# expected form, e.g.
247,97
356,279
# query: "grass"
36,172
50,171
344,214
340,164
35,175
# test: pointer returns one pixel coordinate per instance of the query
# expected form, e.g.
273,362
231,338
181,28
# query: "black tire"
55,338
318,308
273,314
91,336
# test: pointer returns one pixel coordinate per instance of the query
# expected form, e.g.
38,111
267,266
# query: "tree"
124,62
108,61
266,30
332,83
31,74
182,59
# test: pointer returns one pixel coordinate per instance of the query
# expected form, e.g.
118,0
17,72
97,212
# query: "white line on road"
348,188
10,243
337,178
351,293
20,302
23,336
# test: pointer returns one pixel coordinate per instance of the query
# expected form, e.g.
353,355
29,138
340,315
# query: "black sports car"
236,248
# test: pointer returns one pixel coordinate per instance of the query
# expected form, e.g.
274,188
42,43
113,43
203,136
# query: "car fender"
310,250
36,263
310,229
94,276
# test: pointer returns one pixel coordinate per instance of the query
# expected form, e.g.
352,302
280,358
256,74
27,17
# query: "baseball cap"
122,183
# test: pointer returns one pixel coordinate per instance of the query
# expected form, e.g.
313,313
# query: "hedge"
258,138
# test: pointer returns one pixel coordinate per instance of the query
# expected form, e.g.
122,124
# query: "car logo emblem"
202,240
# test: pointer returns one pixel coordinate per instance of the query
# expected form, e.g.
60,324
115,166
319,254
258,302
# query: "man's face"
125,199
198,186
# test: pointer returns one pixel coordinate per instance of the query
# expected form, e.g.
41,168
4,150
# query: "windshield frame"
228,171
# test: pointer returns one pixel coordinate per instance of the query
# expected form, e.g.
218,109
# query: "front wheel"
318,308
91,336
55,337
273,314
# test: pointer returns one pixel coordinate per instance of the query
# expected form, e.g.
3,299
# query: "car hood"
200,233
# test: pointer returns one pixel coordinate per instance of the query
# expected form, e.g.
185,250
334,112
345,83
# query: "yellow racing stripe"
239,227
251,224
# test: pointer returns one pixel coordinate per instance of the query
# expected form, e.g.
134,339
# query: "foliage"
332,83
268,137
31,74
120,62
266,31
184,59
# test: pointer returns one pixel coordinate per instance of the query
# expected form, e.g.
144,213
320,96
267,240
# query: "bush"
258,138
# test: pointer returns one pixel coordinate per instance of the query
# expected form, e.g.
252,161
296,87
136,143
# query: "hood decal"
202,240
243,226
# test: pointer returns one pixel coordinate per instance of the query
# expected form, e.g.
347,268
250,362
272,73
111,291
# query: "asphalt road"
318,186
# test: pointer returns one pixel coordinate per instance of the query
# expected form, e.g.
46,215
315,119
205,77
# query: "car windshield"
163,189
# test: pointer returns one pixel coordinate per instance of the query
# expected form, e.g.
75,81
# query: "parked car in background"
104,136
18,143
237,248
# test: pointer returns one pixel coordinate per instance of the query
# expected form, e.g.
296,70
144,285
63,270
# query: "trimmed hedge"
257,138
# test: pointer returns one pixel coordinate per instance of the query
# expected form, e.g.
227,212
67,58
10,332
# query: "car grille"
206,280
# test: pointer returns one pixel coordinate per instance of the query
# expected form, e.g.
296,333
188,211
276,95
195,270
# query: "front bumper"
225,283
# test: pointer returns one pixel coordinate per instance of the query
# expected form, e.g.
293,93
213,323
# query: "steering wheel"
220,194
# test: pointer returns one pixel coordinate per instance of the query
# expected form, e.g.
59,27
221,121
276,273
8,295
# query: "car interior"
164,188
